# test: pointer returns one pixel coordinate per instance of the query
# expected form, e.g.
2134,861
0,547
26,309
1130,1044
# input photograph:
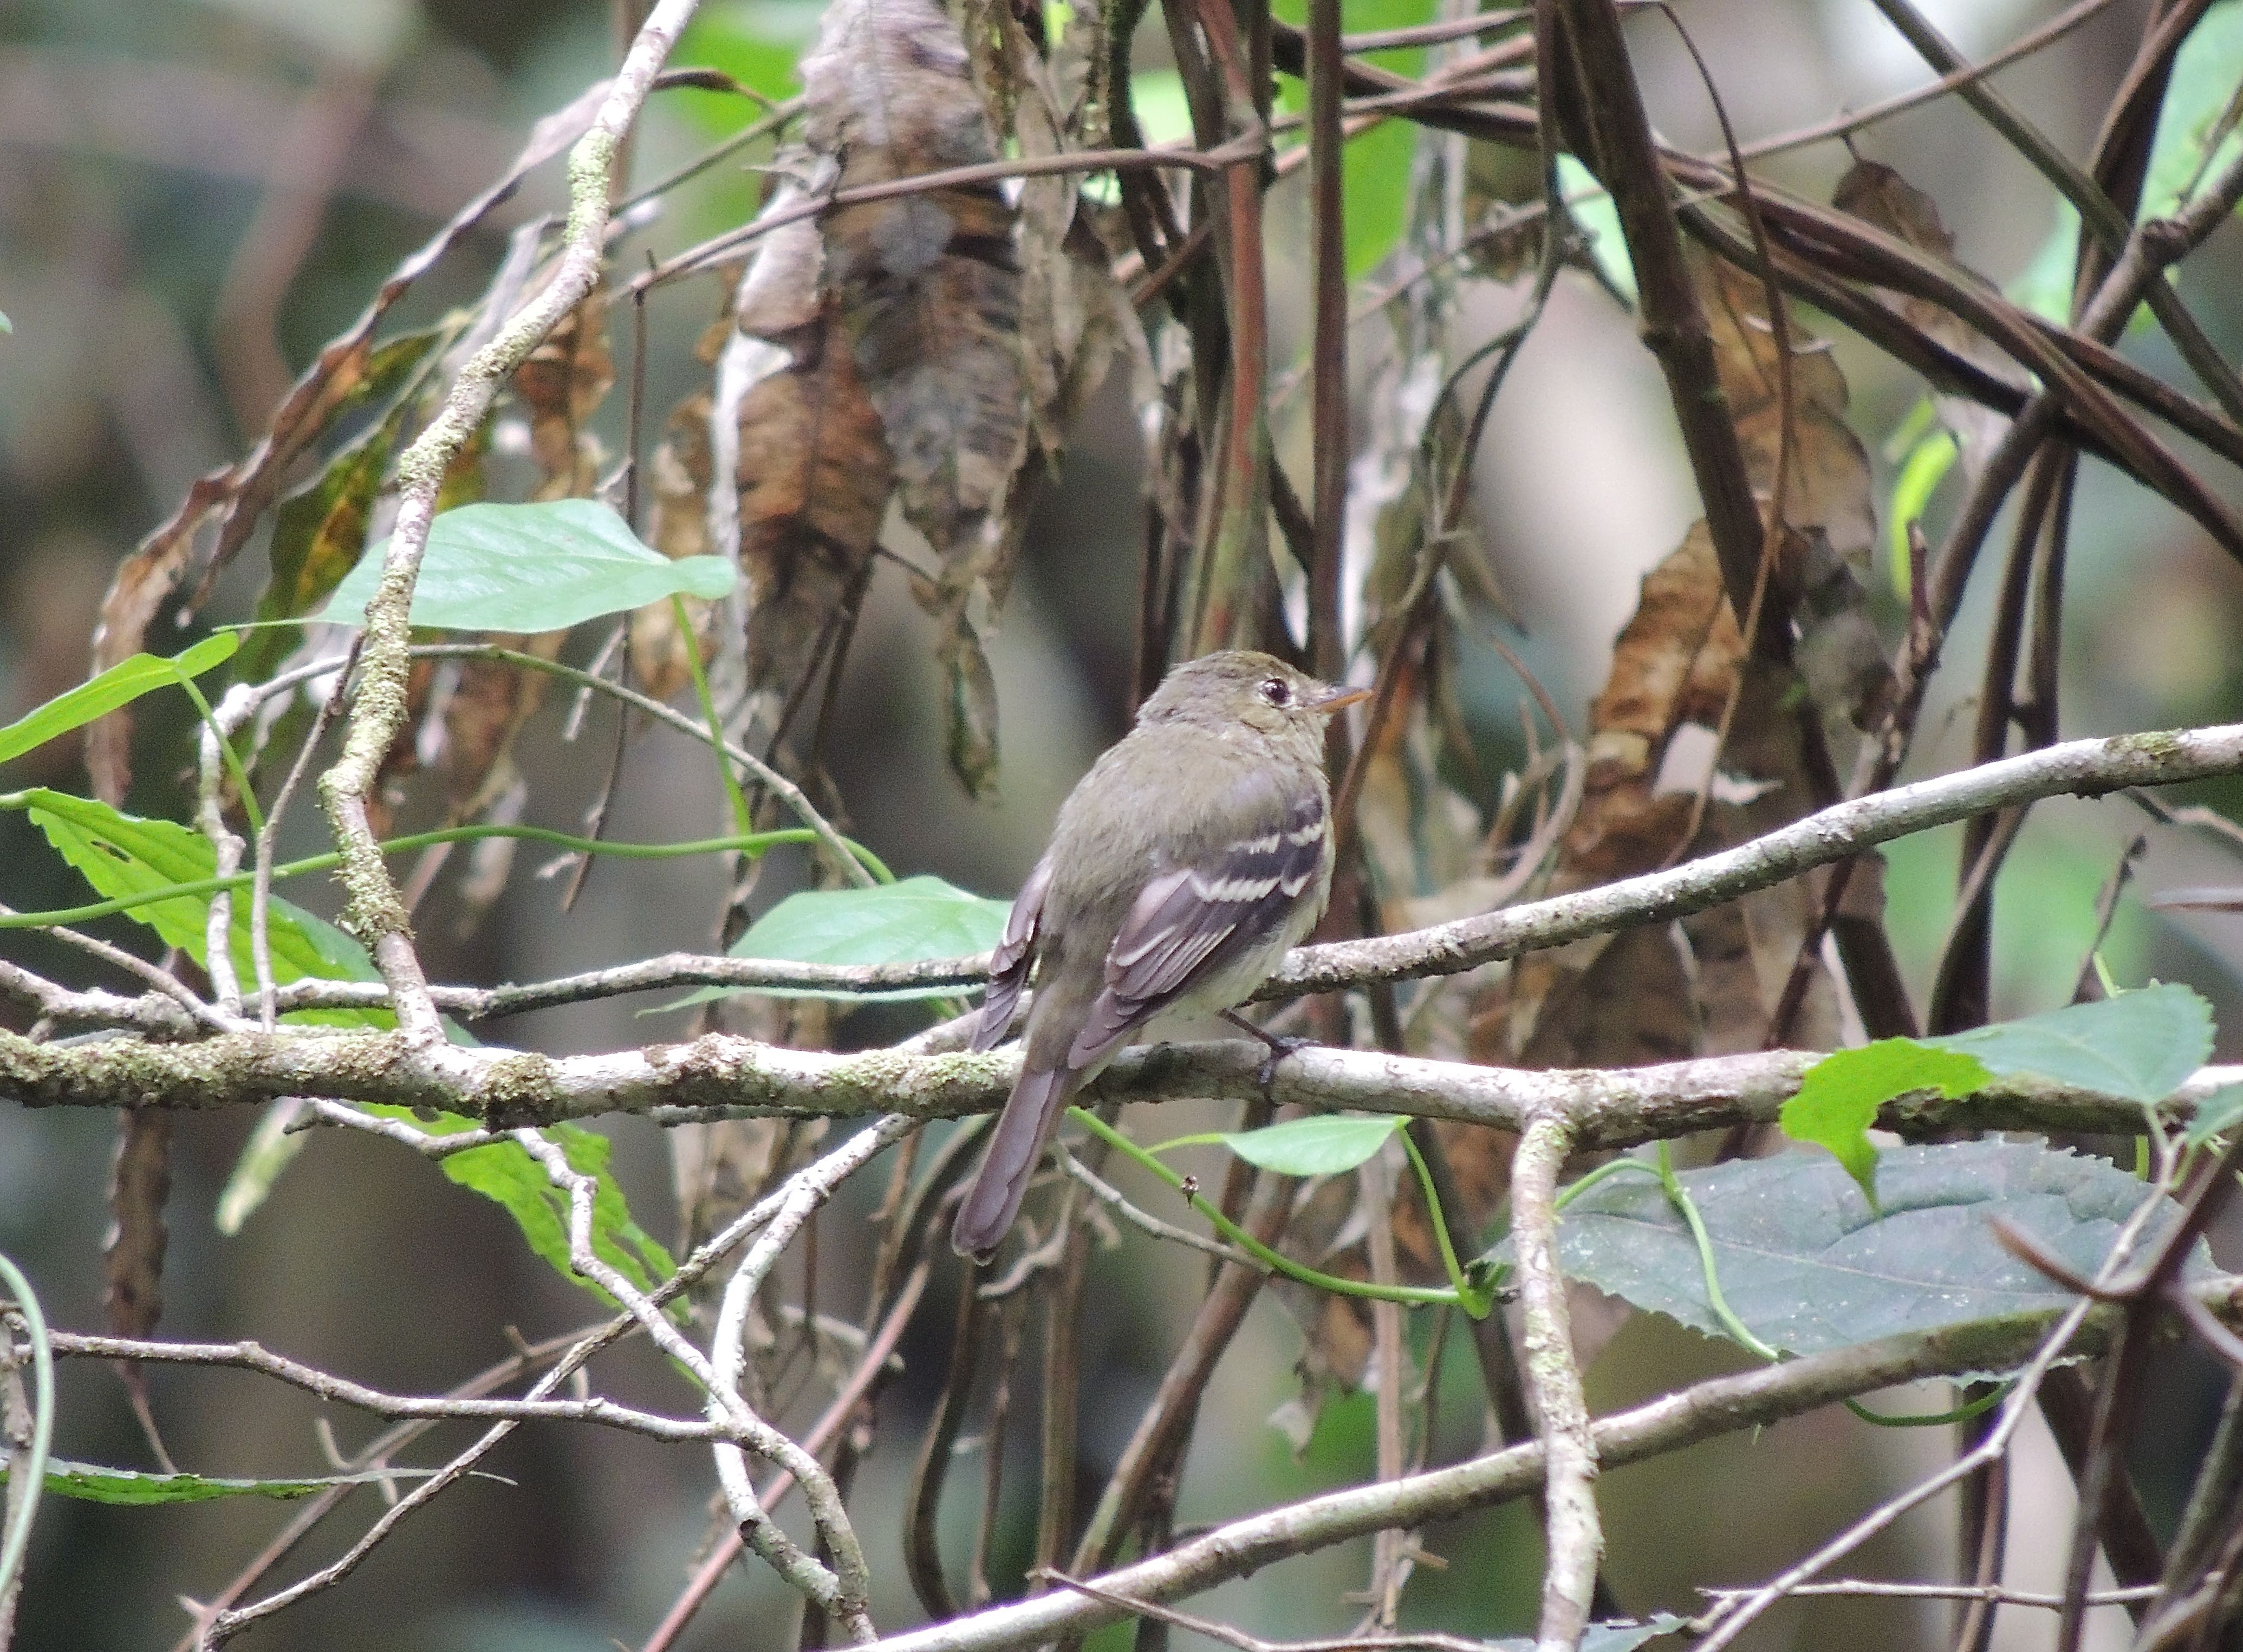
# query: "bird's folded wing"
1009,963
1190,925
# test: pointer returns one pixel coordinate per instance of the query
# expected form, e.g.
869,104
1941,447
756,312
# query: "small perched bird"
1195,854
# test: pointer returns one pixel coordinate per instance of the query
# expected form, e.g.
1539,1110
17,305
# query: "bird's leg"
1278,1048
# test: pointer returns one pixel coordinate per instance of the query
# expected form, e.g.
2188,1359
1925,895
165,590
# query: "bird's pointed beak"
1339,699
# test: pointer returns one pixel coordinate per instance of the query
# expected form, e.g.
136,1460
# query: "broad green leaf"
318,534
505,1173
121,683
1325,1145
126,855
1808,1268
2142,1045
532,567
903,923
1840,1094
95,1484
2218,1116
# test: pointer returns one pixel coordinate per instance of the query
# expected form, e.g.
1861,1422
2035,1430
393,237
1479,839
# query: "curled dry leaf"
1877,195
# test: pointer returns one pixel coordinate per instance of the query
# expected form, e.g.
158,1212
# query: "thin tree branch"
1724,1405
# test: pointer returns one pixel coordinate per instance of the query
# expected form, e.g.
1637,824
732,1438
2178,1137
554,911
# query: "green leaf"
1839,1098
98,1485
1925,468
1374,164
756,42
272,1148
532,567
120,684
2142,1045
903,922
318,535
1592,207
2202,84
2218,1116
1325,1145
1606,1637
505,1173
1808,1268
125,854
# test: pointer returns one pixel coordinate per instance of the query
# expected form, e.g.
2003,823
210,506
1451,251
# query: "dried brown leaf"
678,474
1877,195
132,1254
814,477
560,385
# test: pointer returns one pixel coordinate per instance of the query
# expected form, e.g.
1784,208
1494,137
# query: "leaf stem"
751,844
1416,1296
743,817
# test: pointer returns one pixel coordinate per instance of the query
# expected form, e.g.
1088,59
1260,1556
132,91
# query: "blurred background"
194,194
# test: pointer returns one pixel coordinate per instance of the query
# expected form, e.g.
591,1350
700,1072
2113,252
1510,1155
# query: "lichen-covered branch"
378,712
1553,1388
721,1076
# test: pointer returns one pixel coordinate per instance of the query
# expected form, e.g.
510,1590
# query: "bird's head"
1238,686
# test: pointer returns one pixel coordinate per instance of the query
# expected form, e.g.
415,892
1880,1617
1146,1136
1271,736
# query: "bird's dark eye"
1276,691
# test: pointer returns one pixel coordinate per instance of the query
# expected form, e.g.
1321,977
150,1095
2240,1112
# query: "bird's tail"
1014,1147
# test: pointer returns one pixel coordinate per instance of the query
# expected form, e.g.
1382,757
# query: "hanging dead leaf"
678,474
560,386
1829,490
139,1182
1878,195
928,284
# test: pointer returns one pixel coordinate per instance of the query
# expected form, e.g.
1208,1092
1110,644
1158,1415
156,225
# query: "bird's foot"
1276,1048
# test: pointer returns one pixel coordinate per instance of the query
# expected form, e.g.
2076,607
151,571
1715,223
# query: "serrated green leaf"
2142,1045
1839,1098
120,684
1808,1268
1325,1145
95,1484
532,567
505,1173
128,855
903,922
